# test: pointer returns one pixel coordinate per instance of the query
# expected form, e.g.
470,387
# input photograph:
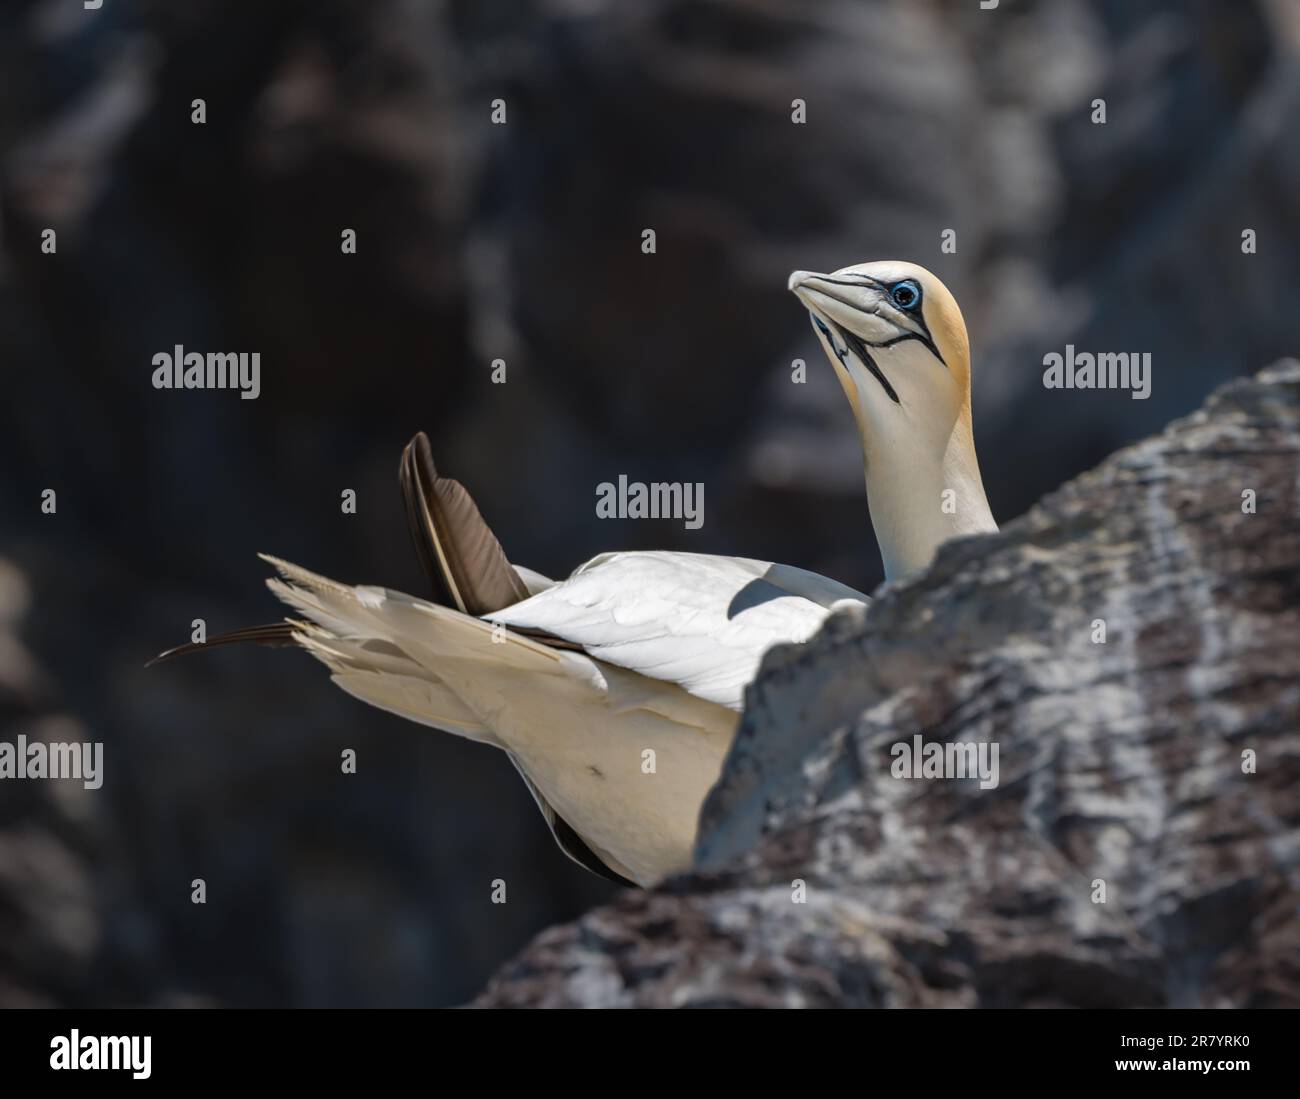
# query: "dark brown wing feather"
470,571
274,634
461,556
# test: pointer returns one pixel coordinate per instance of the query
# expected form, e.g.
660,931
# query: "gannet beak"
853,300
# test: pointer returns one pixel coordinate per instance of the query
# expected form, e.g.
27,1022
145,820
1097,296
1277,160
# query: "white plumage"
699,621
669,641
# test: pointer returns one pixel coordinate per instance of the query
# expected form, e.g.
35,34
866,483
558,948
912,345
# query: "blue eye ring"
906,294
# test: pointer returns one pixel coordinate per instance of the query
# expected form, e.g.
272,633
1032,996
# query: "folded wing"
699,621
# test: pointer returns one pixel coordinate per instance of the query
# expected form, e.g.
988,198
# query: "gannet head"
896,323
897,341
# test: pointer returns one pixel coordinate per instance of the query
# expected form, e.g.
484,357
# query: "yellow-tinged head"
897,340
877,316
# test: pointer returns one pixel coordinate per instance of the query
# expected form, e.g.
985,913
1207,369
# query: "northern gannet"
617,691
898,343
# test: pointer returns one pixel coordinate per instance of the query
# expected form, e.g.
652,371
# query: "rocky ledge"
1131,647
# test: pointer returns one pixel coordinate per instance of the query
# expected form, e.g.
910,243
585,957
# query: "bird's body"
616,691
621,735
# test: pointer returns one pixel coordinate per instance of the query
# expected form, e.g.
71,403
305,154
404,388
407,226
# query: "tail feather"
381,674
414,625
406,655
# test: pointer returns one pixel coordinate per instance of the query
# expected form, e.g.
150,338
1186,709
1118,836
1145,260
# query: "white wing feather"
699,621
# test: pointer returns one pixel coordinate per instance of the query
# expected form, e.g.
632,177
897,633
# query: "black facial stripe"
859,348
929,339
854,344
924,340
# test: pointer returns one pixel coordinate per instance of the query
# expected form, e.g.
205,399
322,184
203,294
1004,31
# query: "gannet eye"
906,294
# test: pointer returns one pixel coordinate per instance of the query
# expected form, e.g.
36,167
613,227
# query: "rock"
1159,768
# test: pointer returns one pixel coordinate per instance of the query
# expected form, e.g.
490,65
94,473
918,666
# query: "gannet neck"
923,481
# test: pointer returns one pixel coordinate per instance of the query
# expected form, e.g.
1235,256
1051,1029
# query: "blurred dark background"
520,242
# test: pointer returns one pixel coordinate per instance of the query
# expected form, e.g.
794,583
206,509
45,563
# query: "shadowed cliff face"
1131,647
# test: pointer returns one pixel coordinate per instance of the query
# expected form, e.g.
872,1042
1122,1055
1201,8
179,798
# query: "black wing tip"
272,635
580,852
417,456
176,651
